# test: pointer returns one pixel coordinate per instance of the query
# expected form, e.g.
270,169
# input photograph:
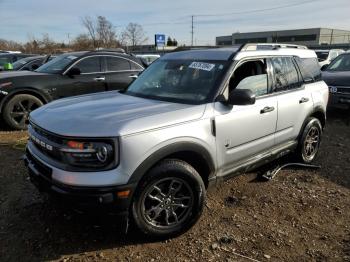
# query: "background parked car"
148,58
69,74
31,63
6,58
337,77
325,57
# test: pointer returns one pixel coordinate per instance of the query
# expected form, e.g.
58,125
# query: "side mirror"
324,67
241,97
74,71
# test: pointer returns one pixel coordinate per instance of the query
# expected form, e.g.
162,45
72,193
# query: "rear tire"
310,140
169,200
17,109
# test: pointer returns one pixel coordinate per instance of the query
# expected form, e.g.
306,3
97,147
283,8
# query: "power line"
260,10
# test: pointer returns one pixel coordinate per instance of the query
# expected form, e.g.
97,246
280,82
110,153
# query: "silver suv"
192,119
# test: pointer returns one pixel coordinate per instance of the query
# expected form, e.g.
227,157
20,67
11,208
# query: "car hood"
336,78
111,114
12,74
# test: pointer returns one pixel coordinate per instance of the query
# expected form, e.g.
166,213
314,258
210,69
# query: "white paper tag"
202,66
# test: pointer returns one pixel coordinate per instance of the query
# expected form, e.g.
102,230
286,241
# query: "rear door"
294,101
120,72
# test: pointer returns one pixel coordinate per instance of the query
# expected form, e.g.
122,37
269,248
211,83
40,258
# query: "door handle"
267,109
303,100
102,78
133,76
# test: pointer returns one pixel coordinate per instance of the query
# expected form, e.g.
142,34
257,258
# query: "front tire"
169,200
310,140
16,111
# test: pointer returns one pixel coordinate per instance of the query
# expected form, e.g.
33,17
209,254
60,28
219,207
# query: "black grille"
345,90
49,136
55,142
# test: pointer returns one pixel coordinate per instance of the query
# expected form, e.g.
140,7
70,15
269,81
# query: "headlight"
99,154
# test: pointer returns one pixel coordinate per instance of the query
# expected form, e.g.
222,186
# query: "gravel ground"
301,215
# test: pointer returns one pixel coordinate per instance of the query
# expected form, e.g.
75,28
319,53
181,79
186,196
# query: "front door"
91,79
243,132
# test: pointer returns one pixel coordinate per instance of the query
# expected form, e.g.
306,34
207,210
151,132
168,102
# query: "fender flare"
28,90
317,109
168,150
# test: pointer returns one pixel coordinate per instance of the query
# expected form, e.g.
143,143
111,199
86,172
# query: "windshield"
182,81
322,55
341,63
19,63
56,65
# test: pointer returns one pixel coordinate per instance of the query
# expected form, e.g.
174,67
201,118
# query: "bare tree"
101,32
106,32
89,24
133,35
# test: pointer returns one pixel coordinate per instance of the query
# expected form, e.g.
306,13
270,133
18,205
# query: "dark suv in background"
70,74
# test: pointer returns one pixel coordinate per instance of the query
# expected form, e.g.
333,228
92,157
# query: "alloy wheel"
311,143
167,203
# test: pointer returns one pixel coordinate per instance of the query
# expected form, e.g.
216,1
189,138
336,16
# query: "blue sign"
159,40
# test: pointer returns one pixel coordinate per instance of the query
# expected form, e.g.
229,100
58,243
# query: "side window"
89,65
251,75
285,74
117,64
309,68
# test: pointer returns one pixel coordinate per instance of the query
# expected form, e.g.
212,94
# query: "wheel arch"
192,153
318,113
28,91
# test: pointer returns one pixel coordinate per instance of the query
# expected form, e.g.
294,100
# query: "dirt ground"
301,215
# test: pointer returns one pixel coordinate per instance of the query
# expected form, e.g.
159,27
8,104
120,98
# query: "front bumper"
85,198
339,99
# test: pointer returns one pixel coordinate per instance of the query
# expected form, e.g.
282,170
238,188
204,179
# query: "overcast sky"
20,19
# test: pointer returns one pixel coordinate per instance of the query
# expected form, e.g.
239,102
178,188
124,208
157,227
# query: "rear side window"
89,65
117,64
309,68
285,74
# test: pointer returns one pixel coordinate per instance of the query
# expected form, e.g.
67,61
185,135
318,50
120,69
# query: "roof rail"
270,46
117,50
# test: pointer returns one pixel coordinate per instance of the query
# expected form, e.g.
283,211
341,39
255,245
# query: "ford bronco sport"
191,119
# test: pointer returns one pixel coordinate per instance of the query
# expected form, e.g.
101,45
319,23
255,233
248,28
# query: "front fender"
28,90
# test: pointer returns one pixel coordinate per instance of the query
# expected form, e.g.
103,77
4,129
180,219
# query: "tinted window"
117,64
309,68
285,74
89,65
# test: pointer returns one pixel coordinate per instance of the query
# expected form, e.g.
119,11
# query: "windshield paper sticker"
202,66
71,57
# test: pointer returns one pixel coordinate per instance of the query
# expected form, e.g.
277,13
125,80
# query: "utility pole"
192,32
